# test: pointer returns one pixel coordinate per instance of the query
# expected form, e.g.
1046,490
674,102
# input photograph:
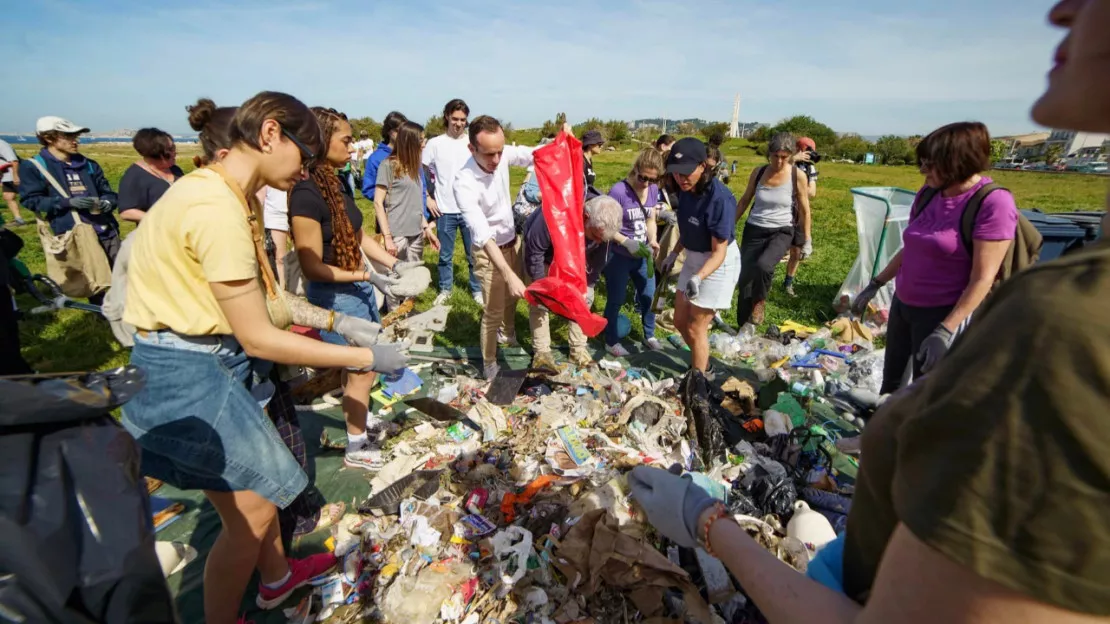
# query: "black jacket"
36,193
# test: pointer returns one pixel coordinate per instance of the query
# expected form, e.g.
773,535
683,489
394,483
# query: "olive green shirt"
1000,458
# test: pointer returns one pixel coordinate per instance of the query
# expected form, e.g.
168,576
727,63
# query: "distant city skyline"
860,66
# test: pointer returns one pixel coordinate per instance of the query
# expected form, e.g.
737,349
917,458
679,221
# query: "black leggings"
760,251
908,327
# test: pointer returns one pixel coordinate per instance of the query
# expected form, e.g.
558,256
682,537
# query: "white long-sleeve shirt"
484,200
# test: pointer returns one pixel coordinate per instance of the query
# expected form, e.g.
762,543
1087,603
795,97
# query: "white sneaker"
477,295
491,370
441,299
366,457
653,344
506,341
617,350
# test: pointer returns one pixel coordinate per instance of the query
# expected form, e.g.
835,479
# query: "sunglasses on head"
308,157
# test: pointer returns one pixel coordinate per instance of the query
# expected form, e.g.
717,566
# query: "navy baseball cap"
685,156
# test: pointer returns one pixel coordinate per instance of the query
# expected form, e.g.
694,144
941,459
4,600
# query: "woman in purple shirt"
638,195
939,284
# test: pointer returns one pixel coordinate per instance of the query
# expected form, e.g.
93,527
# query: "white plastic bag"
882,214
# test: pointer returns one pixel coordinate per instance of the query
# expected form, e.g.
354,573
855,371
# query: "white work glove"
384,282
668,264
807,249
402,266
389,357
356,331
673,504
693,287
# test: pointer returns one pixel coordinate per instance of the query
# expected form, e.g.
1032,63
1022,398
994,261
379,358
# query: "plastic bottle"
801,389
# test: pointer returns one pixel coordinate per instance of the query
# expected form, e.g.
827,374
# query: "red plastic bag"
559,174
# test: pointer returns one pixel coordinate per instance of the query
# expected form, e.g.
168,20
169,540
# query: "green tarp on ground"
199,525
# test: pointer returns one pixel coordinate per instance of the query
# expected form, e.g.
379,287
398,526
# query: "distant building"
1078,148
1026,146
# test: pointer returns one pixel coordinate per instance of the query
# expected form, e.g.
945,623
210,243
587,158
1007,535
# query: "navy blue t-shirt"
704,217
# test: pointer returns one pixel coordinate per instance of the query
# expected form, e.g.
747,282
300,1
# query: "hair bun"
201,113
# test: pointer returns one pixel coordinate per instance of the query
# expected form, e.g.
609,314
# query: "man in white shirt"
481,191
445,155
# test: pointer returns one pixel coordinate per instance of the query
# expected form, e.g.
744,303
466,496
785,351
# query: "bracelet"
331,320
719,512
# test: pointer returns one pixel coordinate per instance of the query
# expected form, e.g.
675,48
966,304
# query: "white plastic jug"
810,527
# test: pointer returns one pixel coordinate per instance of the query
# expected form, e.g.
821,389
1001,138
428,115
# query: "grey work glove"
934,347
668,264
673,504
356,331
693,287
105,206
401,266
859,305
807,249
389,357
668,216
631,245
384,282
88,204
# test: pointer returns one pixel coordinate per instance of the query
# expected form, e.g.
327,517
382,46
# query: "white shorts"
717,290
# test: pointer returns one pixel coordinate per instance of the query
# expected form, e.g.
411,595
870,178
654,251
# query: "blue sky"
858,65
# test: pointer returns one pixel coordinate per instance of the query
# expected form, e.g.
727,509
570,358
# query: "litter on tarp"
506,500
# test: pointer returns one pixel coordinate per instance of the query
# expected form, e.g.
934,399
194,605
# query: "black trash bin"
1061,234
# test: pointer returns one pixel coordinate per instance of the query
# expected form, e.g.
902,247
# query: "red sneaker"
301,572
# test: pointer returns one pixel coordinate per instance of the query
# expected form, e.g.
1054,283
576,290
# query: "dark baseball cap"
593,137
685,156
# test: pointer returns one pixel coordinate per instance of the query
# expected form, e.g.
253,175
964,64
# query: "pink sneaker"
302,571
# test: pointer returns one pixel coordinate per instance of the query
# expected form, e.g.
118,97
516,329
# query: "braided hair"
347,255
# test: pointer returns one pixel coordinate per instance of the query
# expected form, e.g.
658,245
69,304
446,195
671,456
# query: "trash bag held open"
559,172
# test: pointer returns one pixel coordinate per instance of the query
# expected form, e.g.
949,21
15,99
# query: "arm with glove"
864,297
986,260
685,513
716,259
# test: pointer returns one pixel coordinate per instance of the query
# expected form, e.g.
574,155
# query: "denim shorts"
355,299
198,423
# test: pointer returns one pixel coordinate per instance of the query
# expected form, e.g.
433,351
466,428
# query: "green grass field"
72,340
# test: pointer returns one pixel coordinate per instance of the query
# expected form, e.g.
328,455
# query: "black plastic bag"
76,539
773,494
711,427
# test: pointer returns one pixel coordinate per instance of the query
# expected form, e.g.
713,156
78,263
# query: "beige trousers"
500,306
539,321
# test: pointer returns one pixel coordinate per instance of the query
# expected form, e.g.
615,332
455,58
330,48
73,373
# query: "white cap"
50,122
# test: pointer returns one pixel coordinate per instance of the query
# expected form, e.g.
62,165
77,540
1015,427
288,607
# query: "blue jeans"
445,229
355,299
620,269
200,427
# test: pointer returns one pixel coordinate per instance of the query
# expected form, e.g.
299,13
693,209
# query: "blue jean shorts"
198,423
356,299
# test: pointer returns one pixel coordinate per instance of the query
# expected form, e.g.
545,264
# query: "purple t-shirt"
634,224
935,267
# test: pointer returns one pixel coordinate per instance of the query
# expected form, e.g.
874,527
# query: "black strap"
922,201
971,215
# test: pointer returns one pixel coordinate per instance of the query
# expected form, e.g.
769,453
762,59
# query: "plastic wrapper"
559,173
76,541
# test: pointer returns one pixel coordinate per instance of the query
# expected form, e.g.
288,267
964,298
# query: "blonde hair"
648,158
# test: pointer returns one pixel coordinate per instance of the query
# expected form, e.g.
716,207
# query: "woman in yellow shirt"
203,320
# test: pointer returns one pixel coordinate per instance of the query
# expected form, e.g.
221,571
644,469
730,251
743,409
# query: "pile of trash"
507,501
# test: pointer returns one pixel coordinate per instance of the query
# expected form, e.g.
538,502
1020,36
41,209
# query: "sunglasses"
646,180
308,157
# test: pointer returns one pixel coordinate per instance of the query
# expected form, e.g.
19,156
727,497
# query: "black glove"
86,204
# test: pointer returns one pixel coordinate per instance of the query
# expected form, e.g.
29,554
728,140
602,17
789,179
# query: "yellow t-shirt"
195,234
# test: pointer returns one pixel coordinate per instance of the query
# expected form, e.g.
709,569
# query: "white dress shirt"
483,198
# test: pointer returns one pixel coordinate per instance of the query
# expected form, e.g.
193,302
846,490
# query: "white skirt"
717,290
